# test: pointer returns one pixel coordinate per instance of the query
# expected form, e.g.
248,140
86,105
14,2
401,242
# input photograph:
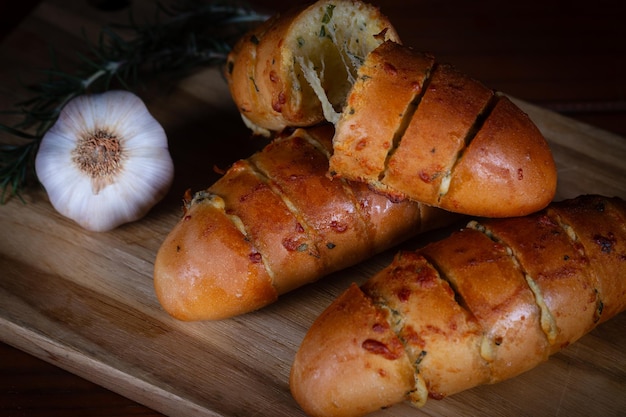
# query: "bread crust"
272,223
269,225
494,290
507,169
565,282
437,133
206,243
388,82
368,357
453,144
432,325
471,309
598,227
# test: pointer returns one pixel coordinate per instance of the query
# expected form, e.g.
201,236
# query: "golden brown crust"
298,170
205,243
433,326
559,270
472,308
366,356
599,226
436,134
507,169
272,223
459,147
387,220
388,82
490,285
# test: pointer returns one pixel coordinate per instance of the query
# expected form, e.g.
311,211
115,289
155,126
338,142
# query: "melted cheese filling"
329,48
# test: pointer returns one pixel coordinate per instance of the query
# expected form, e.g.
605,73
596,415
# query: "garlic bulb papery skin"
105,161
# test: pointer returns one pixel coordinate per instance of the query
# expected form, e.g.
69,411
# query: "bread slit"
241,226
407,291
397,323
312,246
444,186
350,192
547,319
596,226
407,116
575,240
419,395
485,346
215,200
363,139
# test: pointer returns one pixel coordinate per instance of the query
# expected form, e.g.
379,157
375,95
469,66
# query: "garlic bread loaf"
489,302
419,129
405,123
296,68
274,222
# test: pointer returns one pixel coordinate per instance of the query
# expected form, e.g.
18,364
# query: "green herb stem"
194,33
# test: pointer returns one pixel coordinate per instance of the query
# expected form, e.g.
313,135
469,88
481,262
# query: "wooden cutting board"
85,302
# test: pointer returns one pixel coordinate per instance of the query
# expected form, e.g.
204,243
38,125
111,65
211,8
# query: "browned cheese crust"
274,222
489,302
418,129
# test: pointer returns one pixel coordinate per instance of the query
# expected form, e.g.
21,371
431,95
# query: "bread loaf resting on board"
274,222
406,124
419,129
485,304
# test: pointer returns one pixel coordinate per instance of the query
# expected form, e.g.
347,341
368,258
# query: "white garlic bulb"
105,161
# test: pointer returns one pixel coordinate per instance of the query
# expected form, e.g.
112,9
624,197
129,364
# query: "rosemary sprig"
183,36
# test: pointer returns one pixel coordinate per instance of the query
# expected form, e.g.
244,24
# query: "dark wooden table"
560,55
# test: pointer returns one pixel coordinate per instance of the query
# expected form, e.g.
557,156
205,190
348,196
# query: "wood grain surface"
82,331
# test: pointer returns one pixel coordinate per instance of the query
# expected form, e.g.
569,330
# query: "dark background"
565,56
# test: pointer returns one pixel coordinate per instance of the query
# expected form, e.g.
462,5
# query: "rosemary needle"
184,35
